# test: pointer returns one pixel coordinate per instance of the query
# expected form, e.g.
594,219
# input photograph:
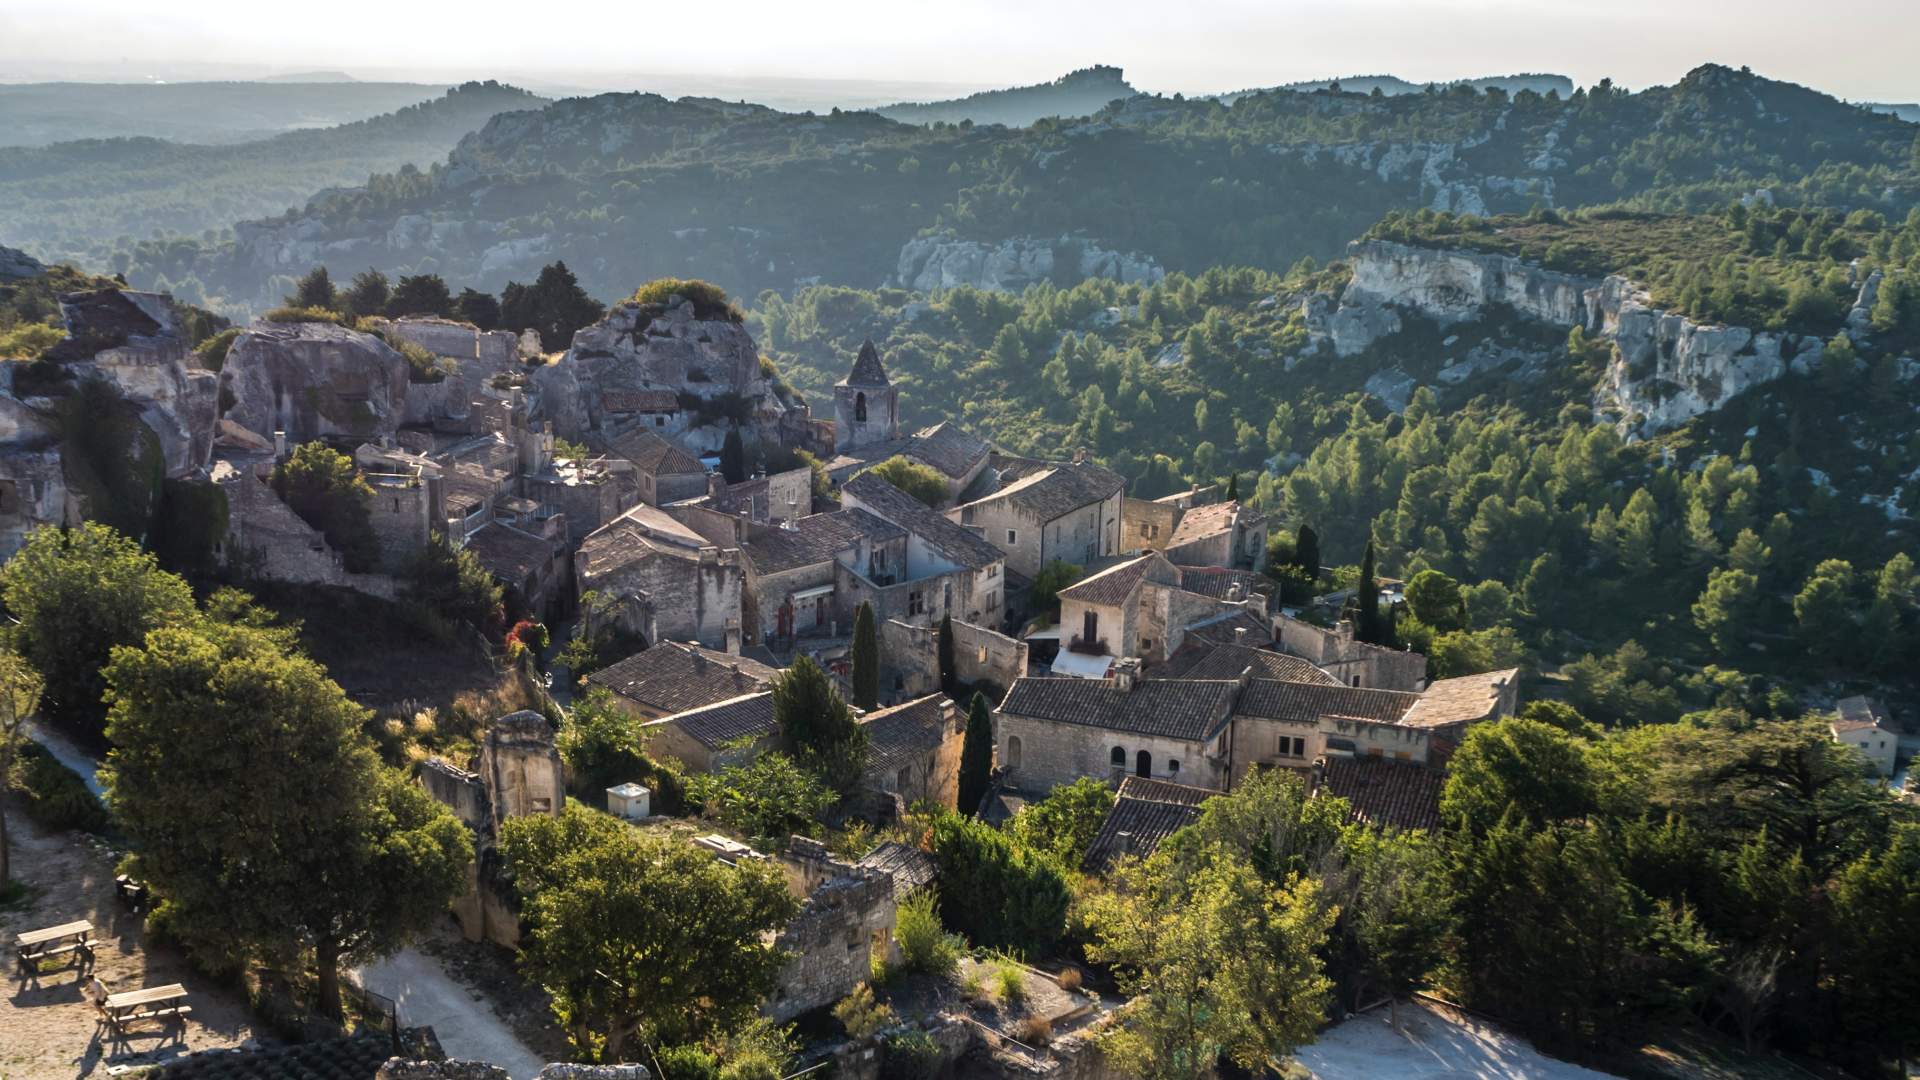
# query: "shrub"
862,1016
1034,1031
213,351
1069,978
920,481
306,315
56,797
973,985
1010,983
28,340
423,365
997,893
687,1063
925,945
912,1055
709,300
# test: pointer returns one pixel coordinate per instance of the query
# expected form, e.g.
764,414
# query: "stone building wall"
910,658
687,599
847,916
401,512
1048,754
1353,662
267,540
1256,741
1147,525
589,502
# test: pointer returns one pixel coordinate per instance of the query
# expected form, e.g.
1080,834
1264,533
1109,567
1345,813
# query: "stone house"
1141,608
1449,706
1045,510
760,500
1206,660
946,569
1290,724
531,566
948,449
711,737
1054,731
1193,532
913,750
585,491
672,678
1352,661
407,508
662,472
910,659
655,410
795,572
866,404
665,581
1861,722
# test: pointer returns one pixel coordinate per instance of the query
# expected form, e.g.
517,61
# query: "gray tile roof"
1145,812
1206,661
1218,582
867,368
1190,709
1047,490
952,539
749,716
815,539
1222,630
910,868
1112,585
1204,521
1461,700
655,455
1385,793
510,554
948,448
673,677
1302,702
903,734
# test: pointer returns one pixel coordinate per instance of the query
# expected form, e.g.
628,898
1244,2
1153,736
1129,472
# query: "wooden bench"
37,945
153,1003
153,1014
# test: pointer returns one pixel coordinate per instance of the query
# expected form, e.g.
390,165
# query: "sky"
1862,51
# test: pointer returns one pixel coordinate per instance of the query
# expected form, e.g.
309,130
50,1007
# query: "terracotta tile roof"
655,455
1303,702
1385,793
867,368
1218,582
1146,812
749,716
1112,585
902,734
1461,700
910,868
955,541
815,539
1208,661
1858,713
1188,709
510,554
948,448
673,677
1204,521
1047,490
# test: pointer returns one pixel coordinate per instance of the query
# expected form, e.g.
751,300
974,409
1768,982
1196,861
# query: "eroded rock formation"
944,262
314,380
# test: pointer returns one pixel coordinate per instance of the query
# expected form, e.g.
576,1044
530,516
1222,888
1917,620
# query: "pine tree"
866,659
733,457
976,756
314,291
949,677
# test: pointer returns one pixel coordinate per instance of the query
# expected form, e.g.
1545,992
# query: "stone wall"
1336,651
458,790
910,658
267,540
1147,525
847,916
686,599
1048,754
401,512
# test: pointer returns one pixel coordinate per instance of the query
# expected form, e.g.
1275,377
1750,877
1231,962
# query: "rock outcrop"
314,380
15,264
701,374
134,340
1666,368
944,262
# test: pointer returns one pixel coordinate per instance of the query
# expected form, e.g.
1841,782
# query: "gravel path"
1434,1044
467,1028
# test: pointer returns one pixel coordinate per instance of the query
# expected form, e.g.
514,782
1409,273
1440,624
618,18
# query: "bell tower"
866,405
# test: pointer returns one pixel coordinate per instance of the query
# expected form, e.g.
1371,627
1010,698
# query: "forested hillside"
629,187
63,200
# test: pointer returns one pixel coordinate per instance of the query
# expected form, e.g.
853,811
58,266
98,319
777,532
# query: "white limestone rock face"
314,380
927,263
669,348
15,263
133,340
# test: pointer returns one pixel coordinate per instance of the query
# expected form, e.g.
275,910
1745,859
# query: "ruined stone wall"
910,658
458,790
691,599
847,915
267,540
402,516
587,504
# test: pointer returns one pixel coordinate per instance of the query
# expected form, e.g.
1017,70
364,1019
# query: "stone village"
1171,672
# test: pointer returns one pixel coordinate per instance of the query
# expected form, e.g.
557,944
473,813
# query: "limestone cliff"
1666,368
699,374
944,262
314,380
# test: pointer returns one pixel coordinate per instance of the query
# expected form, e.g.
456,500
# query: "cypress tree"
866,659
948,669
1373,627
1306,551
733,457
1233,487
976,756
816,726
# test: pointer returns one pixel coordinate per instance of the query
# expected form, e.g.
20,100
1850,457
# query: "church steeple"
866,405
867,368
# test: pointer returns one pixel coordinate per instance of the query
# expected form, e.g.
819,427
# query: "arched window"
1013,752
860,406
1118,757
1143,764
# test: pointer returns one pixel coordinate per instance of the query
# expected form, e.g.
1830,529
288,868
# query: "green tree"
1306,550
554,306
420,294
920,481
1218,963
1399,911
343,859
324,487
480,309
1726,609
368,295
768,797
76,594
1530,770
866,658
618,972
1371,626
20,688
943,651
733,457
976,756
1876,899
1436,601
1063,825
1043,596
451,582
1823,610
816,727
997,893
315,290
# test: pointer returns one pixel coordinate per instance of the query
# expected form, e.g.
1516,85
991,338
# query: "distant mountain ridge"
38,114
1391,85
1075,94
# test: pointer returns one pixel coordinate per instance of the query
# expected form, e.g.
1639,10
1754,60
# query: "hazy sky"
1864,50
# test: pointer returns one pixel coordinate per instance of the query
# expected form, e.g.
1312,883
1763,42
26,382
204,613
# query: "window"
1143,764
1356,680
1118,757
1292,746
983,654
1173,767
1374,751
1143,528
1012,537
994,570
902,779
1013,752
859,407
1090,627
1156,532
659,421
916,603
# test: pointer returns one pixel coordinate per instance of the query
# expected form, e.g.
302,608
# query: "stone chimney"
1080,455
1123,843
1343,630
1316,773
1241,636
1126,673
279,445
1235,593
733,638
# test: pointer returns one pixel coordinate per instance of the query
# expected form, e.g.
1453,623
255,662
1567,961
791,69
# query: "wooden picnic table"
37,945
151,1003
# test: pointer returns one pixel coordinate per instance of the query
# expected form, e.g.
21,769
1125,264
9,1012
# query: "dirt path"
467,1027
46,1029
